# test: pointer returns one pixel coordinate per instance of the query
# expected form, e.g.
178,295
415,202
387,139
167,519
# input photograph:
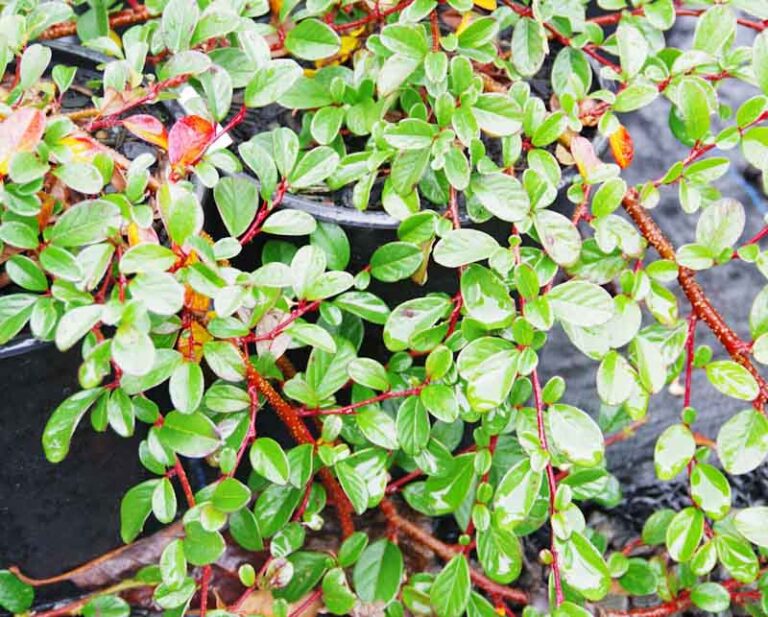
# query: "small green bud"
484,492
688,415
563,497
553,390
545,557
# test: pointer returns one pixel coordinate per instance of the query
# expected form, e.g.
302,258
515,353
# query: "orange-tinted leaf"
20,132
191,341
141,235
622,147
82,147
188,139
584,155
46,209
148,128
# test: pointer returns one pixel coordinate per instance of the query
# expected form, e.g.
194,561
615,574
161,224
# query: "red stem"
559,596
204,590
255,227
280,328
184,481
376,16
350,409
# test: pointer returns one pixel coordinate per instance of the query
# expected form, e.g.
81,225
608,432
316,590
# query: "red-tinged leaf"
584,155
188,139
20,132
622,147
148,128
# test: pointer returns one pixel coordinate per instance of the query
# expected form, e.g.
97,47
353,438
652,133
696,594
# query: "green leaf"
715,30
312,39
63,422
337,596
186,387
269,460
732,380
237,201
135,508
742,442
86,223
326,124
502,195
640,578
26,273
529,46
674,449
81,177
133,350
332,239
720,225
633,49
500,554
289,223
584,568
230,495
395,261
365,305
202,547
449,593
684,534
710,490
694,105
559,237
463,246
313,168
15,311
107,606
15,596
615,379
711,597
737,558
581,303
164,501
406,39
354,486
410,134
245,530
489,366
178,23
369,373
411,317
516,494
352,548
192,435
760,60
412,426
576,435
751,523
378,572
147,258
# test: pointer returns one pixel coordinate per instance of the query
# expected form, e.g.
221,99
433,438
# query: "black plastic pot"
86,61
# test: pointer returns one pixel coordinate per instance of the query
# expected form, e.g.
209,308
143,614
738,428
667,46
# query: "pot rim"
327,211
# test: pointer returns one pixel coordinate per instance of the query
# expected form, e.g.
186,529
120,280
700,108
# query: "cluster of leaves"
432,103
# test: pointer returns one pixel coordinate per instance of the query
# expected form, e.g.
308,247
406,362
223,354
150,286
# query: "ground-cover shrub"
440,108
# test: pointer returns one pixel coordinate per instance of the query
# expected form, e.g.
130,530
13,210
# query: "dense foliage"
465,122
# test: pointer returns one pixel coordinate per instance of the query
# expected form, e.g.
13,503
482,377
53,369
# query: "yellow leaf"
488,5
466,19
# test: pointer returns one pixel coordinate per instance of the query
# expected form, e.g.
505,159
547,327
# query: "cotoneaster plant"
452,421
